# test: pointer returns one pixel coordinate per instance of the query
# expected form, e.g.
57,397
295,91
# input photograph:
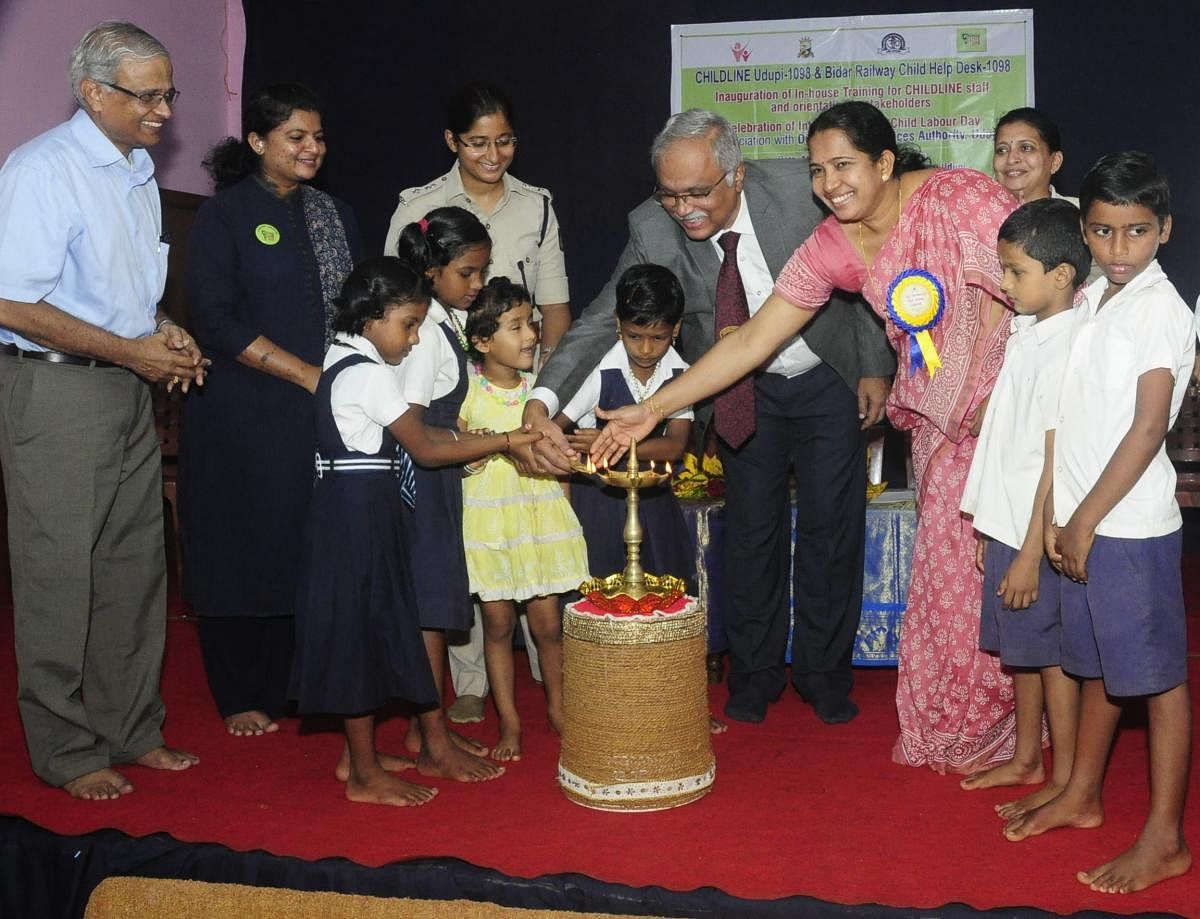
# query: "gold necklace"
862,247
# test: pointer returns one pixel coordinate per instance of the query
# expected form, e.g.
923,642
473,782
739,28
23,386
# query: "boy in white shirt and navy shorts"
1116,528
1045,262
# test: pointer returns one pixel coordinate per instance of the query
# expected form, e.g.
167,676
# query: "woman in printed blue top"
268,254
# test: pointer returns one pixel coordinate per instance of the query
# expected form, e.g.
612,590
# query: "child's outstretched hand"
1019,587
1075,544
581,439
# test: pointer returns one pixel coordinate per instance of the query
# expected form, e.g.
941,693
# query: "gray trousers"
83,478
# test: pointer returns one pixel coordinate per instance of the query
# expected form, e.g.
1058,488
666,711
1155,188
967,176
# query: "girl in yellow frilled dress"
523,541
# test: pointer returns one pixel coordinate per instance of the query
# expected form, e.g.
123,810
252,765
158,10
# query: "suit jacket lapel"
706,266
763,208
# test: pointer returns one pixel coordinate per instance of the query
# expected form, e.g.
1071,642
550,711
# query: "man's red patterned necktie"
733,408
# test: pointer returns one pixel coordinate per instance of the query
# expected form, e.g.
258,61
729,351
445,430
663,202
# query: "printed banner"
942,78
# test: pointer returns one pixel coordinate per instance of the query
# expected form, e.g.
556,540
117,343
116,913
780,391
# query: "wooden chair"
1183,447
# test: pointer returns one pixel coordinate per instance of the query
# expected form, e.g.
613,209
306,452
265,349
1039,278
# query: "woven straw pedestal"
635,710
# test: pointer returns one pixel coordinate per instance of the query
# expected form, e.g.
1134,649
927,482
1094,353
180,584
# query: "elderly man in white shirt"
83,261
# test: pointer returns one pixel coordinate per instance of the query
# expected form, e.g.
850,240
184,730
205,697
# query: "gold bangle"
507,442
654,407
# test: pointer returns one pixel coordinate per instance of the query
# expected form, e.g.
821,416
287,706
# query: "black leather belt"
53,357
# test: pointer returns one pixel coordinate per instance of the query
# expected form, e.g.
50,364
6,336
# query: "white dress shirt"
1144,327
365,398
1023,406
430,370
582,407
794,356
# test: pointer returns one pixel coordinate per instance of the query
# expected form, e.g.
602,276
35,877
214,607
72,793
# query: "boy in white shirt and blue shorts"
1045,262
1116,527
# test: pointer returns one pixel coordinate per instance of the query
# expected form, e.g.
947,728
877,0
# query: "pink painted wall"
206,38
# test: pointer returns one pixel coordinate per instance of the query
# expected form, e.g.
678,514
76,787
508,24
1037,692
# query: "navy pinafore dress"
358,639
435,540
666,548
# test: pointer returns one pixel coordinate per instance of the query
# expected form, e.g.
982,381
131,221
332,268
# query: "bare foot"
1147,862
382,788
508,747
250,724
167,758
386,761
469,744
715,726
412,742
1019,806
1009,773
453,763
100,785
1053,814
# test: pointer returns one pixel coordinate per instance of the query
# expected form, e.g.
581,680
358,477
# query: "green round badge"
267,234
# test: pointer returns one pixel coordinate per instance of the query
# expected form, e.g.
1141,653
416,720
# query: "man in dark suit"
813,402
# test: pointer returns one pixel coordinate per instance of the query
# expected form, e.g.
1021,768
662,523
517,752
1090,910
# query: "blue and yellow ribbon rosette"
915,301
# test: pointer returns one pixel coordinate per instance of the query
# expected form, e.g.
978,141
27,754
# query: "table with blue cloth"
891,526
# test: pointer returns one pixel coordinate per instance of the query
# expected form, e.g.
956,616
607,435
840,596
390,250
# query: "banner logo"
741,53
972,40
804,47
893,43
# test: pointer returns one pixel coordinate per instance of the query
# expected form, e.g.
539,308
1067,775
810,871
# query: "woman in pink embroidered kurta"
954,703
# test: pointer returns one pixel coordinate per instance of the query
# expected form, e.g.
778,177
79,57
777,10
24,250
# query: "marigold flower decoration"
699,477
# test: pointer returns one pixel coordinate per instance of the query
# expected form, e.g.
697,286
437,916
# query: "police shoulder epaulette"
412,194
531,189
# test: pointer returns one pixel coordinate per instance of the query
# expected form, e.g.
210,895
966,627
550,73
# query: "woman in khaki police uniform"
520,218
526,248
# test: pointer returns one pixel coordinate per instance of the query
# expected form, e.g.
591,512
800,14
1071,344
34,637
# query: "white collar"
742,225
362,345
1151,275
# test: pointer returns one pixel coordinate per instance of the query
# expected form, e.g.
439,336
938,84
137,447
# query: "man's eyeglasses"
673,199
479,144
148,99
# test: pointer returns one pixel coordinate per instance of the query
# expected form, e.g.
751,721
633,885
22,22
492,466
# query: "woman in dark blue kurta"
267,255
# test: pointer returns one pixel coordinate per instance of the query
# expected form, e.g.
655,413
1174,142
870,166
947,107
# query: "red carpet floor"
798,808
